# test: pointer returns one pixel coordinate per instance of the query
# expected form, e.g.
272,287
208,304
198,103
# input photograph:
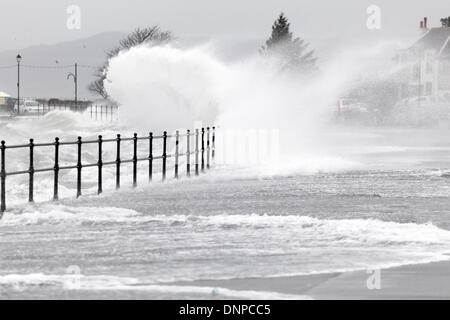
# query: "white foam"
57,214
114,283
351,244
343,230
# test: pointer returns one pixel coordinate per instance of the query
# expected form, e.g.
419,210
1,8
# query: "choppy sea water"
380,200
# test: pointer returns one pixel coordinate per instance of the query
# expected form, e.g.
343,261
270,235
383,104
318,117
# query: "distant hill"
53,83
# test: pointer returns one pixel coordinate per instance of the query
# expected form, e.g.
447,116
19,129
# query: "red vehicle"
351,105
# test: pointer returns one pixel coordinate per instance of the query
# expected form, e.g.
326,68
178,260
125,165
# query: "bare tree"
150,35
96,86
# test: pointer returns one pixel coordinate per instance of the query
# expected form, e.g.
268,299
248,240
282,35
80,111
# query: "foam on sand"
21,282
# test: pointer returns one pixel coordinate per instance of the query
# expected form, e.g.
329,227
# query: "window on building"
428,88
429,67
404,90
416,71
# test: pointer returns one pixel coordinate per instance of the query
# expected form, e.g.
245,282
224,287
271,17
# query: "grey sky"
25,22
239,28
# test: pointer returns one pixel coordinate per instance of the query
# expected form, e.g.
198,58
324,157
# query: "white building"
427,64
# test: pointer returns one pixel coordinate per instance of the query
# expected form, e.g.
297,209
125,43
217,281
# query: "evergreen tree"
445,22
280,32
293,52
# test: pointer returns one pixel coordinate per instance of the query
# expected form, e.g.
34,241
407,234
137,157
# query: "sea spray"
164,87
170,87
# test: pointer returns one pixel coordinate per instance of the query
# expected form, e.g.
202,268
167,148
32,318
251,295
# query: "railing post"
79,166
31,173
56,170
100,164
3,179
164,156
203,149
135,139
213,142
196,152
177,152
118,161
188,153
150,156
208,149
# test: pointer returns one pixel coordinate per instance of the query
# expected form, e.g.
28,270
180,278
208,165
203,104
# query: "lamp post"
75,80
19,59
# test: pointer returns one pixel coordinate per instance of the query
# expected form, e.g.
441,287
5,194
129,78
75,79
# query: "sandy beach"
420,281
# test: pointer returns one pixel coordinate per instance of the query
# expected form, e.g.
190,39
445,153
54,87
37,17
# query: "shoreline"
416,281
407,282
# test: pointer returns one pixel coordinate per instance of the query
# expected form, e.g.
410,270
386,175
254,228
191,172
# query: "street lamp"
18,58
75,80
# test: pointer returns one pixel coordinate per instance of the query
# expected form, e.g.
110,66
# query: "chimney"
425,22
421,24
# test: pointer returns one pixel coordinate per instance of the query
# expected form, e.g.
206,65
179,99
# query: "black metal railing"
103,112
96,111
199,152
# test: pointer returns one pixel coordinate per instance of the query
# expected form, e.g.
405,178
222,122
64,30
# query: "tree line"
292,52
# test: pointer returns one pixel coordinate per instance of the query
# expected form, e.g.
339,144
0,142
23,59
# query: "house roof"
3,94
437,39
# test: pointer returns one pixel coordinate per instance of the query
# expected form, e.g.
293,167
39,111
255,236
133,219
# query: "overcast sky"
24,23
238,28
